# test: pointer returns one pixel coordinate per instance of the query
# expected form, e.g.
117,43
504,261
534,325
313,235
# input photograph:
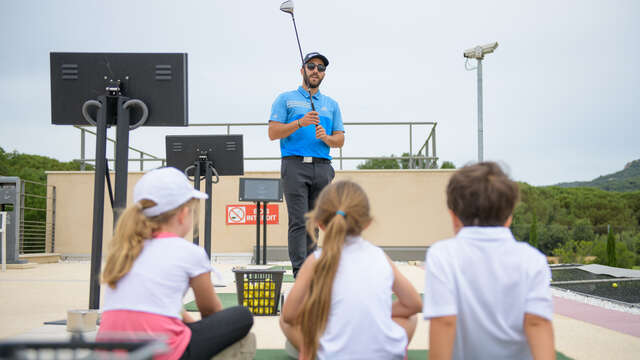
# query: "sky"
561,91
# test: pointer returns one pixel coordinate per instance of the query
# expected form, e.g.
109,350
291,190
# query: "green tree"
380,163
624,257
572,252
582,231
611,249
33,168
551,237
533,233
447,165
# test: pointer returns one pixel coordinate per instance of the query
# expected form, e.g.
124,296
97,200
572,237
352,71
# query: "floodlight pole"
478,53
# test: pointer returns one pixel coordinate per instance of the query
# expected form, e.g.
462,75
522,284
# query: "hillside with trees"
627,179
575,223
32,168
597,221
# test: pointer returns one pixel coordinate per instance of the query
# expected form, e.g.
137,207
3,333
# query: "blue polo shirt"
293,105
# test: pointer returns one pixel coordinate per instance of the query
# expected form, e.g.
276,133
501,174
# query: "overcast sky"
561,92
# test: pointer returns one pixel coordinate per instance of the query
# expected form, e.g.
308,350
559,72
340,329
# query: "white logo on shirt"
294,103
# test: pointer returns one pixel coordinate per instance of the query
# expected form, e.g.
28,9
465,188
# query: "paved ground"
29,297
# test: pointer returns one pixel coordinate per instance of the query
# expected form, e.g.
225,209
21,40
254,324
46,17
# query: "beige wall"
408,206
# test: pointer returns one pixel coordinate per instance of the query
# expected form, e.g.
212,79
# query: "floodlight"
480,51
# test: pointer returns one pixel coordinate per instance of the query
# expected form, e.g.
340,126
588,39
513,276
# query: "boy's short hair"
482,195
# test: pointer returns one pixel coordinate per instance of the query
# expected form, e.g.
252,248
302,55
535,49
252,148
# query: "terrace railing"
424,157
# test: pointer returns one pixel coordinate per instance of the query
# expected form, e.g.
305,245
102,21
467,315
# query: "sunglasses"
312,66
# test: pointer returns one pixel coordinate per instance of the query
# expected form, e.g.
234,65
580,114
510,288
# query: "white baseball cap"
168,187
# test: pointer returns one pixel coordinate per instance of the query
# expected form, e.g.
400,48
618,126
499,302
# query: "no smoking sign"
236,214
242,214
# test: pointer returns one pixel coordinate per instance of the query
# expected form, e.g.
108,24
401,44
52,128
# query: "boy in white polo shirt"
486,294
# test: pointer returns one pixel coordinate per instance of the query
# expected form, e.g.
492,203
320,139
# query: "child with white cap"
150,267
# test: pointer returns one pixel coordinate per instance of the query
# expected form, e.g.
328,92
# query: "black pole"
257,232
207,208
122,159
196,185
98,202
264,233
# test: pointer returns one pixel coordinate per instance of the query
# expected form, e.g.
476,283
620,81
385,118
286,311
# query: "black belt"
308,159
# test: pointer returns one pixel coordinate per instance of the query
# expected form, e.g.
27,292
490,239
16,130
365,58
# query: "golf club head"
287,6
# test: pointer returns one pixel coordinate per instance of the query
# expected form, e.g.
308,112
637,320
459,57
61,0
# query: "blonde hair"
132,230
342,208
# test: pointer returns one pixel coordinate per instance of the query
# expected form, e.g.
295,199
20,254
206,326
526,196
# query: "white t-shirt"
489,281
359,324
159,277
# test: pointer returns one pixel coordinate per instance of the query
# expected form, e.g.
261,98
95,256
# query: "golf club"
287,7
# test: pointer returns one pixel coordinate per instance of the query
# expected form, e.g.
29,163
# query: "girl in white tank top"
340,305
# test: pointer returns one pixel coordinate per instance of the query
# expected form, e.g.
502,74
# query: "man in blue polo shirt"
305,138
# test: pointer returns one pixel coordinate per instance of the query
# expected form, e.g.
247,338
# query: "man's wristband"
299,126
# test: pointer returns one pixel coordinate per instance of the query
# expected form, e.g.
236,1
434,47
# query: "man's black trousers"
302,183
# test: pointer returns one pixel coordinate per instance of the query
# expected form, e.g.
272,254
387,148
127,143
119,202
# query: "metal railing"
141,154
425,157
37,230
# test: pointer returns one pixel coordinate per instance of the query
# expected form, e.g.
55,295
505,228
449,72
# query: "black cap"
314,54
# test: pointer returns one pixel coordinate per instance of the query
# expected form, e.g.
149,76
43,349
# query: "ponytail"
343,209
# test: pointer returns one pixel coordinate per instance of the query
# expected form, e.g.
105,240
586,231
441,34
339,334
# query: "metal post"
426,154
196,185
20,220
207,208
3,238
98,203
141,162
122,160
480,130
82,156
264,233
257,232
53,220
410,146
433,141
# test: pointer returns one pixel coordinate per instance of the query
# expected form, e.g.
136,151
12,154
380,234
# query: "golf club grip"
313,107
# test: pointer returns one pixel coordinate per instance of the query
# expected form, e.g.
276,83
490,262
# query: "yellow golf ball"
615,285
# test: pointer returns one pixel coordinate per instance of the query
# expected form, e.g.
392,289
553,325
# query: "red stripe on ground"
611,319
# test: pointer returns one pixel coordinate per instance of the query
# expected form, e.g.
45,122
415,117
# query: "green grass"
228,300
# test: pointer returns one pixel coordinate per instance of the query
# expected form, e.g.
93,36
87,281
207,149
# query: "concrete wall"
408,206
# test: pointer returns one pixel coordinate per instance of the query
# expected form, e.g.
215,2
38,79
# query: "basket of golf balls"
259,290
